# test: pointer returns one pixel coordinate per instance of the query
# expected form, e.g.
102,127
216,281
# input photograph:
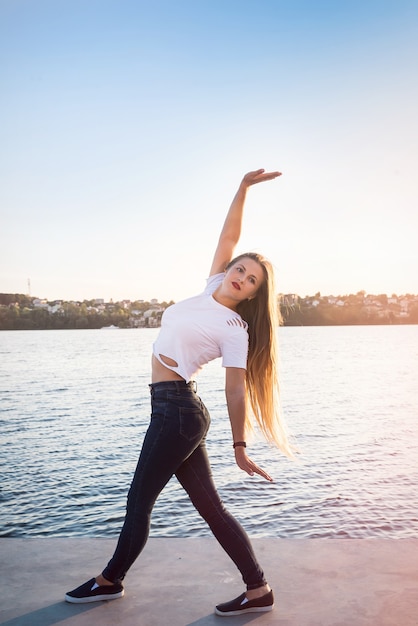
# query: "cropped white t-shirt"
200,329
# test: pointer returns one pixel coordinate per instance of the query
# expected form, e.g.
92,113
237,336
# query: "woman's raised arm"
231,230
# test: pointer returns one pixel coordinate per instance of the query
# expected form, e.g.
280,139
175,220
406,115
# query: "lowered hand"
245,463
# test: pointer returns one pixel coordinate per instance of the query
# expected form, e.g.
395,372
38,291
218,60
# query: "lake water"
74,406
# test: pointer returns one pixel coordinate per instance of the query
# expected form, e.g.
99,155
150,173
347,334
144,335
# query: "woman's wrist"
239,444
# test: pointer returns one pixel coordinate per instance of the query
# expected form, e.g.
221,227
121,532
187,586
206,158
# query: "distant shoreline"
22,312
399,323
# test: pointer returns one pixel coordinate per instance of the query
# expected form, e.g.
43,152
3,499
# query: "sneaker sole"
254,609
105,596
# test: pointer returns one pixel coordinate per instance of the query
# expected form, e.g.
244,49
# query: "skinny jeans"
175,443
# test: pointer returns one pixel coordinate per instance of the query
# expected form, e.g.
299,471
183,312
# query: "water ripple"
75,406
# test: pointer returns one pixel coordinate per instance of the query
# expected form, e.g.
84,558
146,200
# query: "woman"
235,318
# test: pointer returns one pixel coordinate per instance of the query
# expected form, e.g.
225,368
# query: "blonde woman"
234,318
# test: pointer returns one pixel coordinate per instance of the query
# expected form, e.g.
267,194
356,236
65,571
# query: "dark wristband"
240,443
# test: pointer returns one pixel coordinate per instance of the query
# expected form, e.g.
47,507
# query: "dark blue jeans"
175,444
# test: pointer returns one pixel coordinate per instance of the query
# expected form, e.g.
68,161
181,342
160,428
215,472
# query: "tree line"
18,313
352,315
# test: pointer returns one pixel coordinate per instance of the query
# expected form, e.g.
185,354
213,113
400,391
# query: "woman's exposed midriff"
161,373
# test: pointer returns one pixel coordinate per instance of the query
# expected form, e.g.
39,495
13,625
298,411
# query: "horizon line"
317,294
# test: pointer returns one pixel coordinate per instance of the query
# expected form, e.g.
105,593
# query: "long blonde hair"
263,318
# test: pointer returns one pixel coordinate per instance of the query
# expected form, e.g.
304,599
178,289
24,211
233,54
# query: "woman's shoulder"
213,282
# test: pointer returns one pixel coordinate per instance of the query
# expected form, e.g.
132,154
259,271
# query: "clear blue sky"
127,125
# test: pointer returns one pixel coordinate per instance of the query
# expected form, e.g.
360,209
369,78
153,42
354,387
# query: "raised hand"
258,176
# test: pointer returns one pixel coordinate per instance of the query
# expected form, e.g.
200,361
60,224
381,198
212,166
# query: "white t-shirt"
200,329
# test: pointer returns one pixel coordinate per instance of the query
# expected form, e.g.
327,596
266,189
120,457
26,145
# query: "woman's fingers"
262,473
259,176
251,468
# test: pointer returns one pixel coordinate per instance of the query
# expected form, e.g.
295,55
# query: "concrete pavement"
177,582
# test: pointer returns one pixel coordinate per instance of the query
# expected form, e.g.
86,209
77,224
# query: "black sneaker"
242,605
92,592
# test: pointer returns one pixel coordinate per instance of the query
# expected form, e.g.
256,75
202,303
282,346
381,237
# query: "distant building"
40,304
54,308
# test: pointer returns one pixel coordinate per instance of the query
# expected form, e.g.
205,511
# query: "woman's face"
244,278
